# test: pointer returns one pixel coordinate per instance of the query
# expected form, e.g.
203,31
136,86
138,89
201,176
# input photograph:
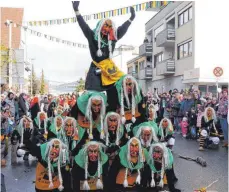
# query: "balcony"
146,49
166,67
135,74
166,38
148,73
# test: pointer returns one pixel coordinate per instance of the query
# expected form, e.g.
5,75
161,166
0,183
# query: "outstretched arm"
83,25
124,27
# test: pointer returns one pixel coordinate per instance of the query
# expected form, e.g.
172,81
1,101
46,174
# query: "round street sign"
218,71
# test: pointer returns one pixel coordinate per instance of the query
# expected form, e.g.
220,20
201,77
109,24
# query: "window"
185,16
158,30
181,22
184,50
190,13
190,47
158,58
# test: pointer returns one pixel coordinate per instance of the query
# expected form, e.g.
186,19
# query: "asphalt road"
190,175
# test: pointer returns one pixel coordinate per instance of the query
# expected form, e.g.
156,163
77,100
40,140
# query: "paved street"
190,174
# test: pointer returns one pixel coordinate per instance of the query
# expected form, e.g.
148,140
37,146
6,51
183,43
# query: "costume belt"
109,71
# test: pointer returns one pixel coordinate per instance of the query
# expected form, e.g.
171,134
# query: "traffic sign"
218,71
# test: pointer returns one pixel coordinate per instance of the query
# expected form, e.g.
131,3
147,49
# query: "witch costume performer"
90,169
90,110
52,171
103,72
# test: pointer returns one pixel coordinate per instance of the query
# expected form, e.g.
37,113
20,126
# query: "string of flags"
112,13
65,42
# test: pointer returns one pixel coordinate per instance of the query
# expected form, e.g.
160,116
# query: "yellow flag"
143,6
106,14
165,3
154,4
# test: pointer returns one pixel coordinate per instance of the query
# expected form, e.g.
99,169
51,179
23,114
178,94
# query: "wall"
169,84
16,15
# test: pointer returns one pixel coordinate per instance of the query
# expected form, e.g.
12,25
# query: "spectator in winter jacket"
10,101
222,114
175,111
22,105
186,104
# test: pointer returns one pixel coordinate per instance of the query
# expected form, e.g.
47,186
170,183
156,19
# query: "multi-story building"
171,34
17,55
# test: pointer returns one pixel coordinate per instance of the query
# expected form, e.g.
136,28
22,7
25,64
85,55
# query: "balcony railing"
148,73
166,38
166,67
146,49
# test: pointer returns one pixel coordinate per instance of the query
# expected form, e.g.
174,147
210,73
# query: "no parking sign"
218,71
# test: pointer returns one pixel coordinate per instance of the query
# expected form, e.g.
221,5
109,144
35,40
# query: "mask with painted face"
134,151
165,123
59,123
96,105
129,86
107,29
42,117
55,151
112,122
157,154
69,128
145,136
93,153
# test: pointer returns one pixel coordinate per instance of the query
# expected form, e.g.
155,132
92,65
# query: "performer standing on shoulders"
103,72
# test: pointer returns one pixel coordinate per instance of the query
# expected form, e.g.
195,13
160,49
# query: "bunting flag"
65,42
157,5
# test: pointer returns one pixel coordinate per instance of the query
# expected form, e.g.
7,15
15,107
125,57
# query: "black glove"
132,11
75,5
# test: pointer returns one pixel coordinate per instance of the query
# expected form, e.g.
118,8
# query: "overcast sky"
63,63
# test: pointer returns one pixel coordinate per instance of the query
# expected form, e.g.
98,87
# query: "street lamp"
8,23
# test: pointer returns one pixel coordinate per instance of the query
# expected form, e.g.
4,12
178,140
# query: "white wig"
124,93
213,114
98,32
45,121
152,136
89,114
170,127
73,121
99,184
60,162
117,130
21,128
165,162
140,159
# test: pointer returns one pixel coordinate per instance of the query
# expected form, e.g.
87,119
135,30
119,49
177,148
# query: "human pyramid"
107,143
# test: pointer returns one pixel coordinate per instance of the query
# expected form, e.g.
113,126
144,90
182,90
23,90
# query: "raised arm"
83,25
124,27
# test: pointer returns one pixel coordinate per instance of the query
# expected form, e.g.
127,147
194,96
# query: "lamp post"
8,23
31,78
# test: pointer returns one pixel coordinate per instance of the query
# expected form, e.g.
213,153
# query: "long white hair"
152,136
135,90
170,126
165,161
106,131
99,184
89,114
98,32
61,161
213,114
